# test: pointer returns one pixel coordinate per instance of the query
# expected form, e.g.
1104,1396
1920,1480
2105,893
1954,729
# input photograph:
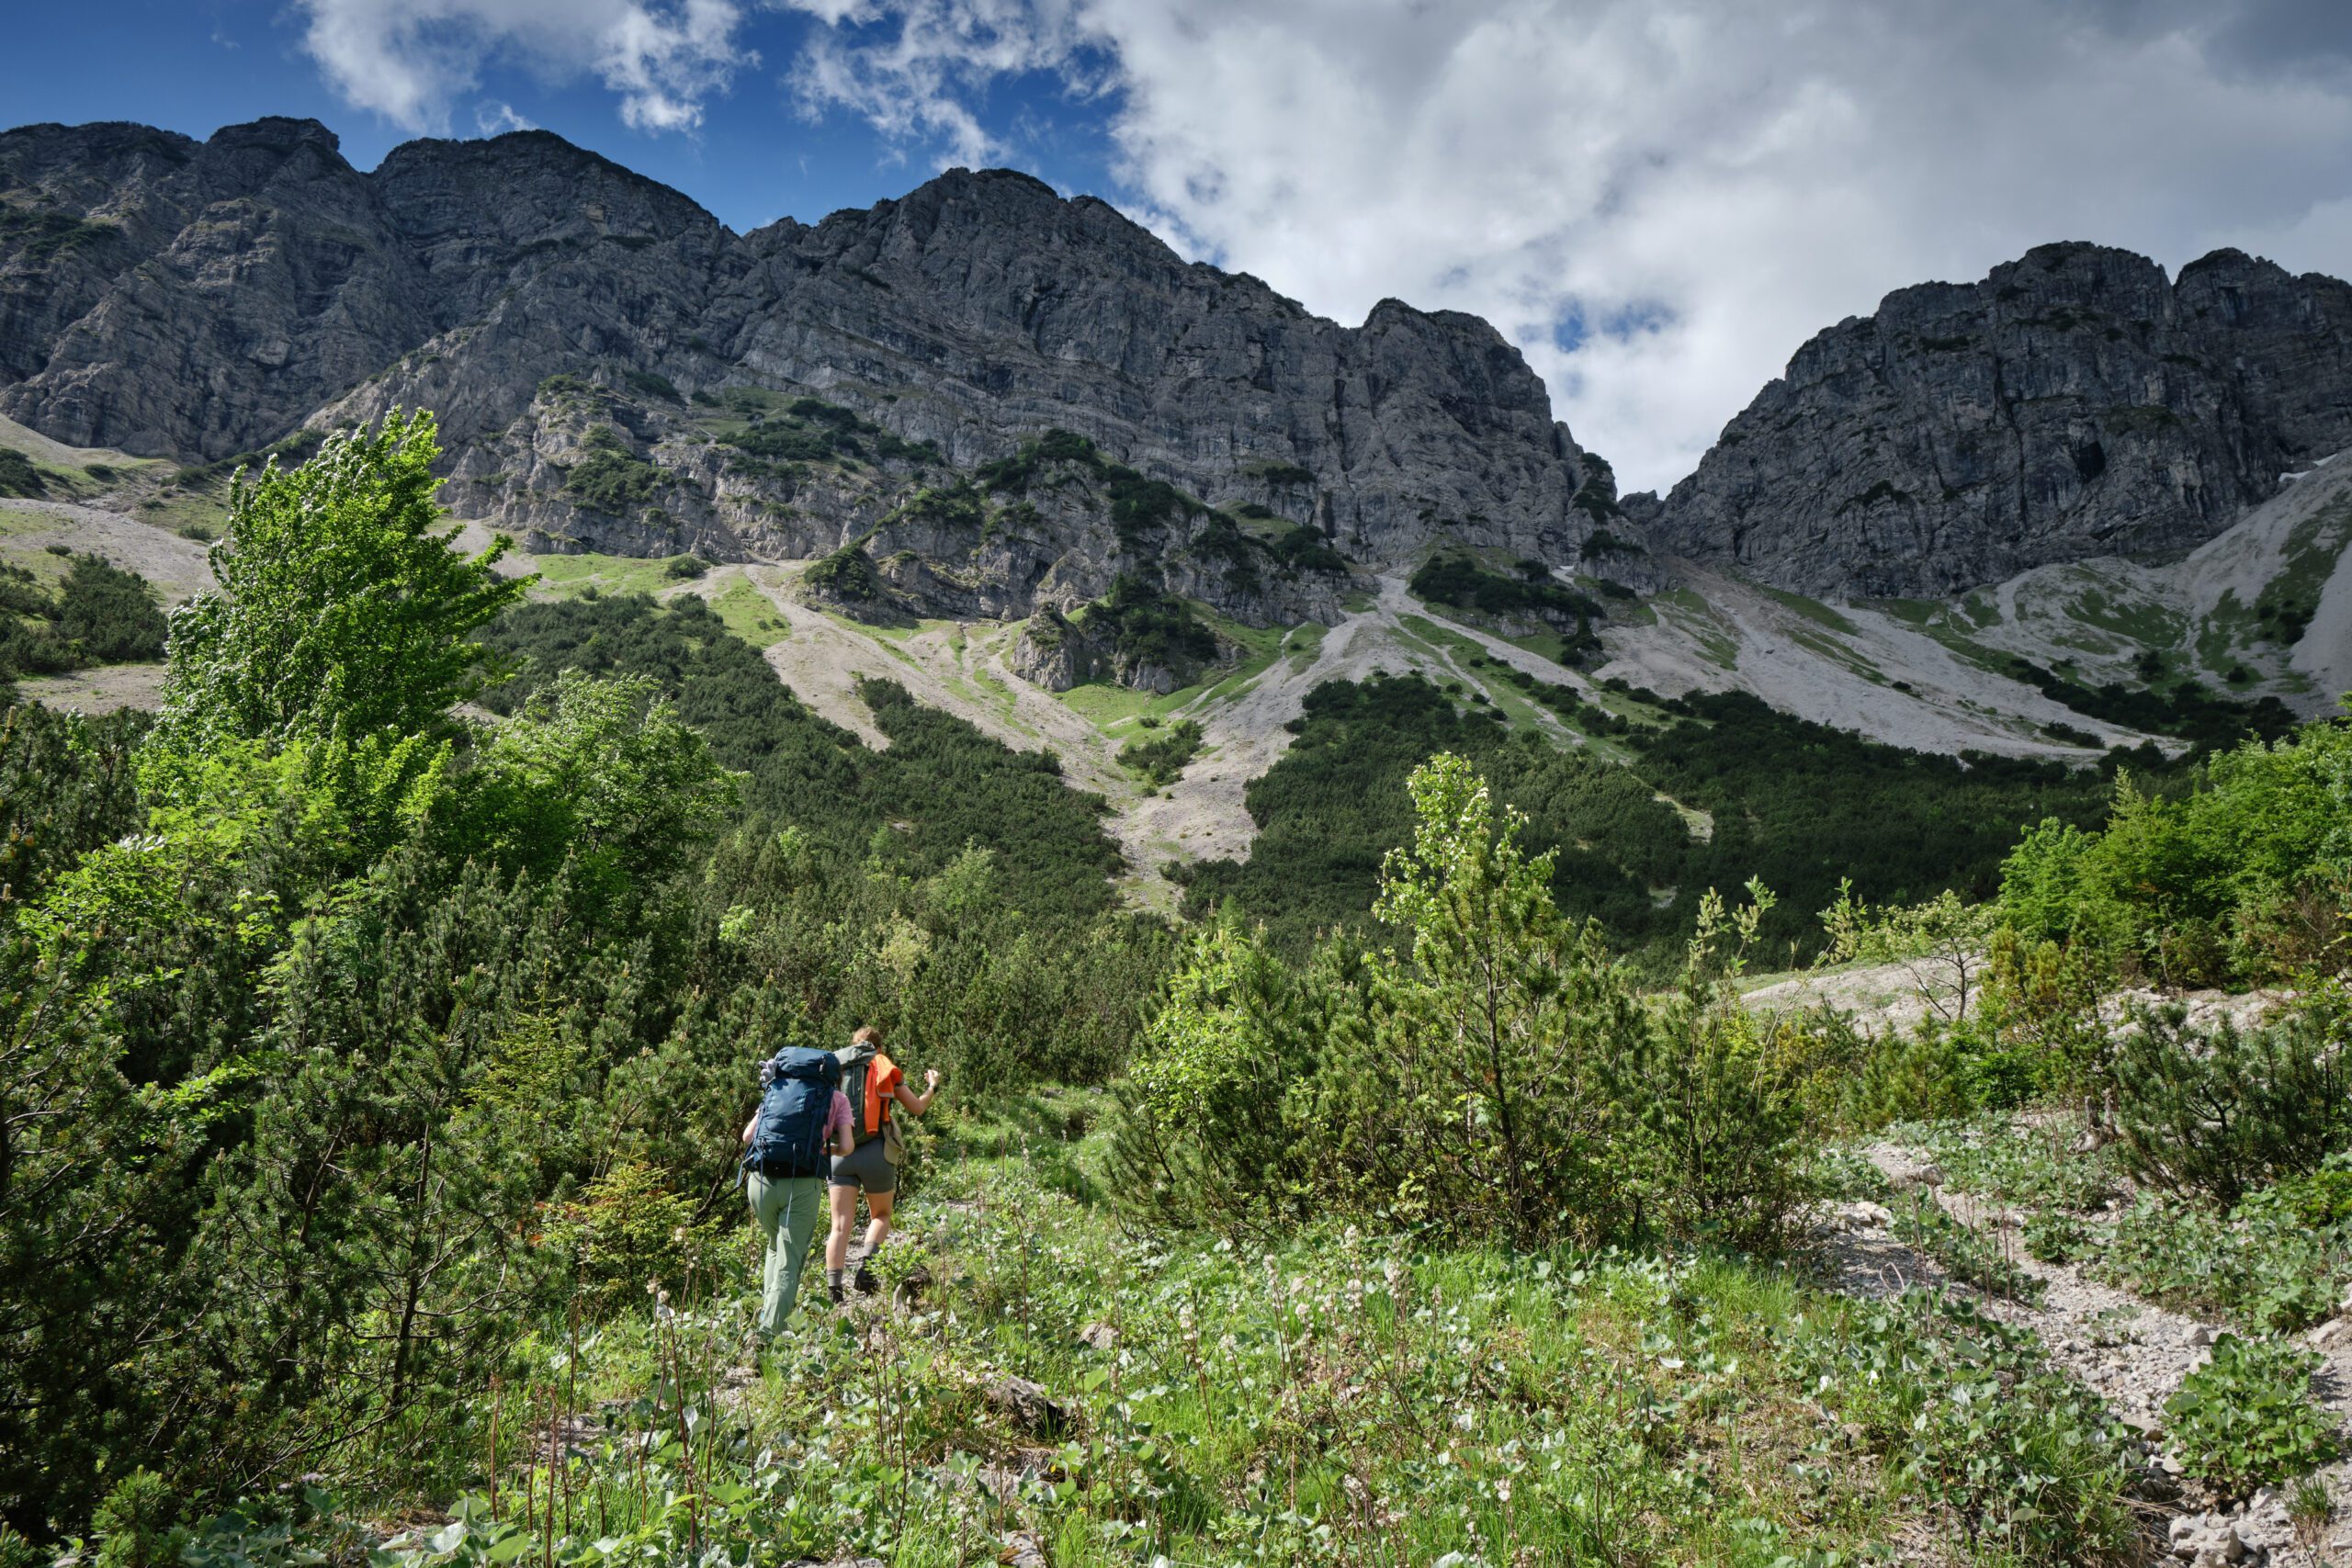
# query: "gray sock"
834,1277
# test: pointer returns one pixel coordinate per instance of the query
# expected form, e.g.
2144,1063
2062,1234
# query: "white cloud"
915,80
496,119
410,59
1700,183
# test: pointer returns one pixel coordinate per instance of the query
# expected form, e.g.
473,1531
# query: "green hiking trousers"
788,1210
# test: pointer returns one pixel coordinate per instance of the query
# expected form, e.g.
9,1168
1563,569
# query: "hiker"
872,1083
803,1118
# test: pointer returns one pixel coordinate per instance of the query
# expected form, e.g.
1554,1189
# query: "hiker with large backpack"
873,1085
802,1121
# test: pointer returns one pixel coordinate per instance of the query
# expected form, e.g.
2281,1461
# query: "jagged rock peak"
202,300
2074,403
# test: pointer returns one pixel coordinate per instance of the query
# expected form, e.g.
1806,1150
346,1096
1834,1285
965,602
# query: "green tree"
1486,1080
1941,944
1720,1089
364,1249
1218,1128
2223,1111
109,613
341,610
597,776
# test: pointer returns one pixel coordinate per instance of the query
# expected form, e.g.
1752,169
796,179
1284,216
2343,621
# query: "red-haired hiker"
874,1083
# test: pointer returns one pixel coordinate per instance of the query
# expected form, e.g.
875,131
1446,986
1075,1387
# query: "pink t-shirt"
837,1121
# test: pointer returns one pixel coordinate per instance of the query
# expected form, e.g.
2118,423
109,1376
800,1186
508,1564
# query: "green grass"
2313,551
1109,706
1839,653
1327,1396
1118,711
1813,610
1911,612
750,614
25,537
569,576
886,638
1696,619
2140,623
180,508
2227,630
1507,699
1303,645
896,631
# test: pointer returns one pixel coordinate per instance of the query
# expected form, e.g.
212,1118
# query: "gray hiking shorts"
866,1169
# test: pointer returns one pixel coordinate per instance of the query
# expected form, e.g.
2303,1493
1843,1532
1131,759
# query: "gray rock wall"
2075,404
213,296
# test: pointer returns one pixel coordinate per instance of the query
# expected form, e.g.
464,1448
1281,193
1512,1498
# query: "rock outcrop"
597,347
2075,404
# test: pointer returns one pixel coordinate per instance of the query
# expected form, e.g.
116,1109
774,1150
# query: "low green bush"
138,1523
2234,878
2263,1269
2026,1461
611,478
1497,1075
17,474
1163,758
1461,582
2320,1200
1147,626
2221,1111
2245,1419
101,614
110,613
848,573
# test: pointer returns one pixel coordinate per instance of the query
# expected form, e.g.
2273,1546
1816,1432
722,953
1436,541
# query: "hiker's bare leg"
879,1205
844,1220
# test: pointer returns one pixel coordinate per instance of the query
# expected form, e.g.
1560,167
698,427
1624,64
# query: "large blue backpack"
789,1139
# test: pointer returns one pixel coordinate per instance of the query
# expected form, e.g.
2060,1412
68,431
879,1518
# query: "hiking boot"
864,1279
833,1289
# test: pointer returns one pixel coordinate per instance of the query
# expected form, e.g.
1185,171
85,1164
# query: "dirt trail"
2131,1352
102,689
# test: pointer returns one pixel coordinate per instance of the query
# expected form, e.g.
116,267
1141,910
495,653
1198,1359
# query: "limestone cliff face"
614,370
2075,404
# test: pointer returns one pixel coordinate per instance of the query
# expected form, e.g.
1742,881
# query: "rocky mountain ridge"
982,401
2075,404
614,370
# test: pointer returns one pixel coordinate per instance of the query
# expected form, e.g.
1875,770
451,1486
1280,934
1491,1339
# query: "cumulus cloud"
1657,199
411,60
919,71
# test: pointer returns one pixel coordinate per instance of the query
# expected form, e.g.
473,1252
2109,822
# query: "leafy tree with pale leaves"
341,610
342,629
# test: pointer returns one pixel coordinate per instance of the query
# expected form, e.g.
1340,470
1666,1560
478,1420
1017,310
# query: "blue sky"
1657,200
754,157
